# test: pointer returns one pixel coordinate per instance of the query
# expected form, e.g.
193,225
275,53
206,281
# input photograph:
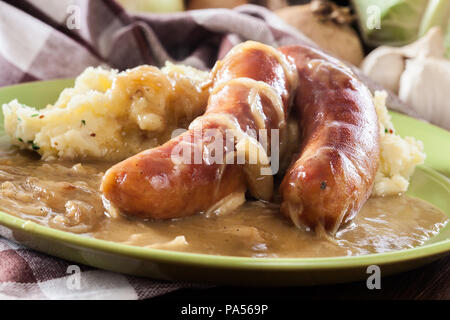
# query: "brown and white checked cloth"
27,274
47,39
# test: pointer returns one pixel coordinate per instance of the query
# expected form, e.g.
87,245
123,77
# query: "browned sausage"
335,170
253,82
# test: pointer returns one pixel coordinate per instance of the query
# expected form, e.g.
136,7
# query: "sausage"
251,90
333,174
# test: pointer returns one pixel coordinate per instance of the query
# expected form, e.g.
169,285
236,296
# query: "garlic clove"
385,65
430,45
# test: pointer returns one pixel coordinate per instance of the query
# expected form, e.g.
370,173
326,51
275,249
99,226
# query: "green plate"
429,182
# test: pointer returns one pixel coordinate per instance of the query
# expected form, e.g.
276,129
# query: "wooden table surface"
429,282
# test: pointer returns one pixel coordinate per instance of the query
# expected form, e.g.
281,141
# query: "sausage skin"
151,185
333,175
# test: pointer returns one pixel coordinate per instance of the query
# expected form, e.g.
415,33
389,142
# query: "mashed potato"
109,115
398,156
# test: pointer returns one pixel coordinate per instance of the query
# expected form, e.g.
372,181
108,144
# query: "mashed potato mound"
398,156
109,115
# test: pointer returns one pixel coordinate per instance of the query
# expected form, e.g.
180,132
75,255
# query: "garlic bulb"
424,86
419,73
386,64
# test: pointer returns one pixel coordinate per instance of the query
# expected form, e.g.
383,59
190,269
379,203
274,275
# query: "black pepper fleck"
323,185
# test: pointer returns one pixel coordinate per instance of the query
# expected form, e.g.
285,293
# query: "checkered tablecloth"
27,274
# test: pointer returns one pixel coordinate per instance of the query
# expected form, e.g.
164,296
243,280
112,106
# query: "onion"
327,25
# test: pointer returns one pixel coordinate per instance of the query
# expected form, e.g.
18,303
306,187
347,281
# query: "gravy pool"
64,195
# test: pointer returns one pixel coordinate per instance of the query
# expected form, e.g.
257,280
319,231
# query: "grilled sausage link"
251,90
334,172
